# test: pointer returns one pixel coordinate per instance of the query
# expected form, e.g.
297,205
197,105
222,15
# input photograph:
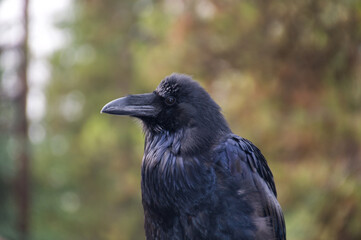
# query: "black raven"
199,180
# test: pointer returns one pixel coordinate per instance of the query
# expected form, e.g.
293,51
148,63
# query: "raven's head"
179,104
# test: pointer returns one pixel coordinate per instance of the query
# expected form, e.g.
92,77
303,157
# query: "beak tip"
104,109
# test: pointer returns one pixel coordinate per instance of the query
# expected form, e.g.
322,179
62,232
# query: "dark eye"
169,100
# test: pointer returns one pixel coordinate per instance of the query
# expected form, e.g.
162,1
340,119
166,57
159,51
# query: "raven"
199,180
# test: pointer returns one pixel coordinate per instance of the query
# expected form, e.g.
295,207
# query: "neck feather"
169,177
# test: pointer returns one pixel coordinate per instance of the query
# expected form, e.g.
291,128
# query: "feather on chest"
170,179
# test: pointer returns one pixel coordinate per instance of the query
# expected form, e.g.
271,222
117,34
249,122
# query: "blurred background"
287,75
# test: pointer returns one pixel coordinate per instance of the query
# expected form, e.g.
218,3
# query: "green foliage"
286,73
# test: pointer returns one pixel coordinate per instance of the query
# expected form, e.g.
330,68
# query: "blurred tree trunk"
21,133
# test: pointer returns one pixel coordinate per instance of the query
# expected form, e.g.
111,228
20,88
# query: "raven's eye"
170,100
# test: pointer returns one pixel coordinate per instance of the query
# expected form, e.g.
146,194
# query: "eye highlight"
169,100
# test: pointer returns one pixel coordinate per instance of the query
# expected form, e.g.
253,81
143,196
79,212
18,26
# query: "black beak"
141,105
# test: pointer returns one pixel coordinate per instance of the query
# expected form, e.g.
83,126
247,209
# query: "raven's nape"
140,105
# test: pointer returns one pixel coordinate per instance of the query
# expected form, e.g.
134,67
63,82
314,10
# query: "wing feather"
239,152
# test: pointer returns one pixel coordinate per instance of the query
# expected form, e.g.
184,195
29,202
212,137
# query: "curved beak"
140,105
